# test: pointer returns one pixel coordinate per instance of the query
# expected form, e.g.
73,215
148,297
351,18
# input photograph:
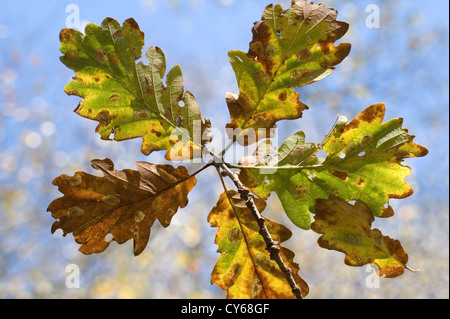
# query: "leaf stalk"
271,246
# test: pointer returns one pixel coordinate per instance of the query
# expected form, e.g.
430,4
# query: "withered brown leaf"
120,205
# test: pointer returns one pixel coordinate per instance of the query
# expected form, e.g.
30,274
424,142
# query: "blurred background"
403,63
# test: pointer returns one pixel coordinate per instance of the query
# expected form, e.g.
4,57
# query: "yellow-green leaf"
290,48
129,99
363,162
119,206
347,228
244,268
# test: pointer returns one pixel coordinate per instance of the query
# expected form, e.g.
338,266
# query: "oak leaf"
347,228
290,48
119,206
244,268
129,99
363,162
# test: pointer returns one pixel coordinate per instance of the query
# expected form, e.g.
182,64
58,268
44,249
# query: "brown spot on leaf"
168,219
270,51
114,99
300,74
75,211
341,175
179,120
352,125
141,114
100,56
373,112
104,118
109,20
352,239
300,191
67,34
74,180
73,92
256,287
79,106
261,39
118,35
264,261
231,276
133,24
156,133
234,235
408,192
166,175
282,96
304,55
366,140
342,51
114,59
111,200
72,55
139,216
325,47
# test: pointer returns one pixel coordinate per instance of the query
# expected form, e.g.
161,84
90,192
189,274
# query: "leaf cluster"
290,48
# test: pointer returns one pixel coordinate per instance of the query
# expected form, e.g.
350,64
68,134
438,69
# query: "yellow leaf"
244,268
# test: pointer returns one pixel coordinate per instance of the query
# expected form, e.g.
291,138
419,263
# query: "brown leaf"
120,205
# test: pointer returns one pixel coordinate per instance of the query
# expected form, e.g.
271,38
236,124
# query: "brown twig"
271,246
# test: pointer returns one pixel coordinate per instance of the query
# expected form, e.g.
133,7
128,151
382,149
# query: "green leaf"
244,268
346,228
129,99
123,204
364,162
290,48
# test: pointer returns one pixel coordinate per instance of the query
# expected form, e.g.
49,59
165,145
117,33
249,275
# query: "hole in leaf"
108,237
181,103
321,154
278,32
362,154
342,156
366,140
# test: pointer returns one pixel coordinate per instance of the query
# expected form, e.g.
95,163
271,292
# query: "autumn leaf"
363,162
244,268
129,99
347,228
120,205
290,48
